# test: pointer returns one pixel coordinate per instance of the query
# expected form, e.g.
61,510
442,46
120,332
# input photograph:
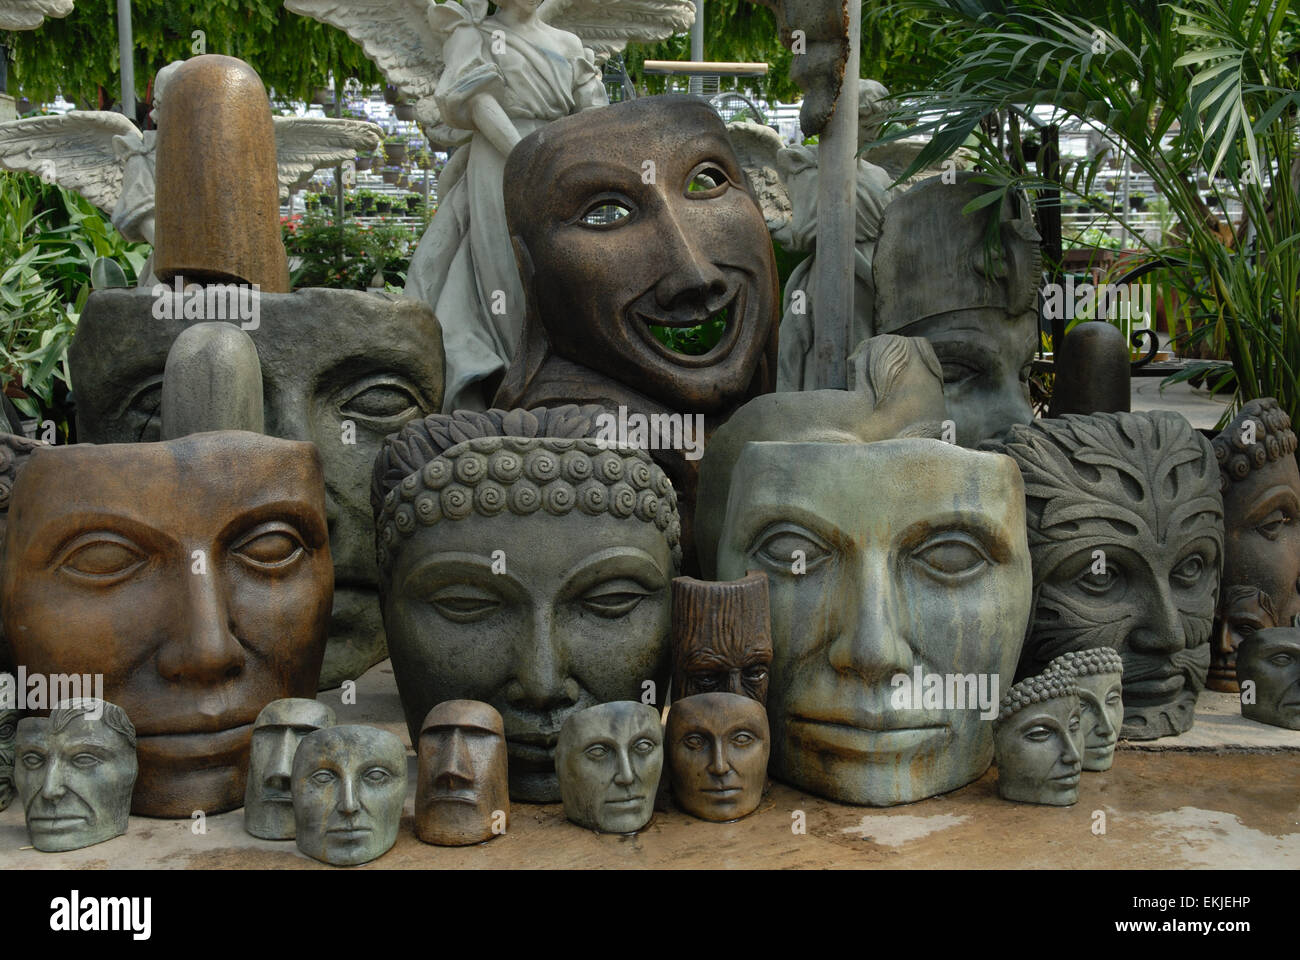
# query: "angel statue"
785,181
481,83
104,157
30,14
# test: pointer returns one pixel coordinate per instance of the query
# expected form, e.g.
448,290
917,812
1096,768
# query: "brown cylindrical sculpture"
1092,371
722,637
218,198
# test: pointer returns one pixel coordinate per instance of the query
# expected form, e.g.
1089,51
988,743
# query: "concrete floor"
1226,794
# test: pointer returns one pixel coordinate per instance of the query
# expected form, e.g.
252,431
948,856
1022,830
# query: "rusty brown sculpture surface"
218,193
599,309
462,795
722,637
194,575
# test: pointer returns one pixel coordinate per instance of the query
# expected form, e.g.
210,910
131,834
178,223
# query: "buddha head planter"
340,368
194,575
349,784
1098,674
75,772
608,759
880,591
717,746
1126,535
8,729
722,637
979,310
525,565
280,727
1036,741
1261,542
666,178
895,390
462,795
1269,660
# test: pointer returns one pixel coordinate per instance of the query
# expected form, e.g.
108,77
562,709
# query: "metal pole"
696,84
126,57
837,182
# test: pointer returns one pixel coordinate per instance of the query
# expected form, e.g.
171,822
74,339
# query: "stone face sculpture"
876,587
895,390
489,80
1270,660
599,311
194,575
75,772
717,745
1261,546
107,159
980,313
8,729
1126,533
280,727
524,566
212,381
462,796
349,783
1091,371
722,637
14,451
818,67
1036,741
608,759
1098,674
340,368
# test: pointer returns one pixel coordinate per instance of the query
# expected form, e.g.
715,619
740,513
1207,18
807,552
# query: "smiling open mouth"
693,341
699,340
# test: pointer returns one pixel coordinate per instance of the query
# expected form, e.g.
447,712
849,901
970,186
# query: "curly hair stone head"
1087,663
447,467
1039,689
1271,439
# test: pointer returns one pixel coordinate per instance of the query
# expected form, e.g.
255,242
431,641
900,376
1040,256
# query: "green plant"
1189,92
348,257
50,242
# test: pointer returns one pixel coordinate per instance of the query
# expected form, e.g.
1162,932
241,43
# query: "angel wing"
607,26
305,144
30,14
74,150
757,147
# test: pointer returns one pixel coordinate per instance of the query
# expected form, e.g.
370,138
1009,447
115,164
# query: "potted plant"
365,160
424,159
1137,201
383,204
405,112
395,150
391,175
412,202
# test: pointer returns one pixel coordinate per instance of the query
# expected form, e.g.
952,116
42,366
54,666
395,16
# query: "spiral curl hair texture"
450,466
1039,689
1087,663
1274,439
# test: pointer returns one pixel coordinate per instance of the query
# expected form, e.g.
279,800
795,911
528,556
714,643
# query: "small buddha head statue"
1036,741
1098,673
75,770
1261,533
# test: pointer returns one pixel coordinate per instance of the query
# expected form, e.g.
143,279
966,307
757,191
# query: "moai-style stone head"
462,795
525,565
608,759
193,575
8,729
75,771
717,746
340,368
1126,535
877,589
349,784
1270,660
268,798
722,637
667,179
1261,537
1036,741
978,306
1098,674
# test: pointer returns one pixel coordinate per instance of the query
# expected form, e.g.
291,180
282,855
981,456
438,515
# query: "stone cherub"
485,82
30,14
109,161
